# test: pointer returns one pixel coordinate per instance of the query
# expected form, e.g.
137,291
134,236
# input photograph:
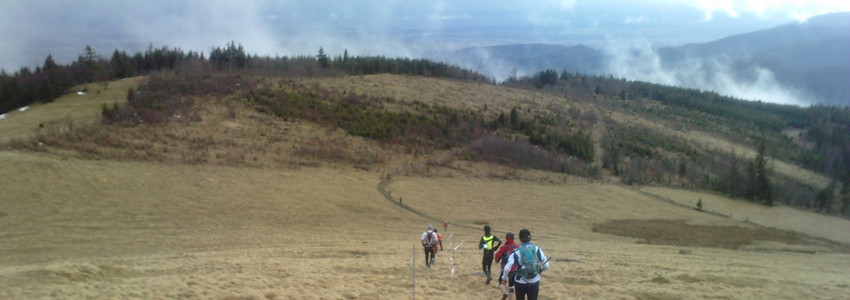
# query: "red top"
505,250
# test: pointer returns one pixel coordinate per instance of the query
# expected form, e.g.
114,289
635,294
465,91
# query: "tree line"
50,80
816,137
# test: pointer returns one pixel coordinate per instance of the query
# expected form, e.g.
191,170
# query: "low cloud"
639,61
202,25
640,19
788,9
30,30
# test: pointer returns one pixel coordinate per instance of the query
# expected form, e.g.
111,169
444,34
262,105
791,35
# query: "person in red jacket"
502,256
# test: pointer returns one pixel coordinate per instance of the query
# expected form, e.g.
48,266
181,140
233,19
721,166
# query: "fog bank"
639,61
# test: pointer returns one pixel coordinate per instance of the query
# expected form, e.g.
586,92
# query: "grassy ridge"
587,135
816,138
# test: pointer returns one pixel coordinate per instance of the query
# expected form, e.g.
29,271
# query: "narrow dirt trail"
407,169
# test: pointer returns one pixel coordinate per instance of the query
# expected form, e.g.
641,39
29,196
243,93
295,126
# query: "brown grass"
779,217
107,229
487,98
680,233
704,140
495,99
70,110
221,208
226,132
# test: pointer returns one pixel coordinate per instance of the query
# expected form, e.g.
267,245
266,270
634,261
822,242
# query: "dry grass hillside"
232,203
80,107
495,99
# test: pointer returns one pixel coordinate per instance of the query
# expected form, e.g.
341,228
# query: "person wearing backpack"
489,243
429,242
530,261
502,256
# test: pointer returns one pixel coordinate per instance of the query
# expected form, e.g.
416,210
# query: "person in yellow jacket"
489,243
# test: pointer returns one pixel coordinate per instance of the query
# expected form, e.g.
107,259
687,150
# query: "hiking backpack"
431,240
529,263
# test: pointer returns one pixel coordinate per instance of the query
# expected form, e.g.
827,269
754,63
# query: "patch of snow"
81,93
3,116
25,108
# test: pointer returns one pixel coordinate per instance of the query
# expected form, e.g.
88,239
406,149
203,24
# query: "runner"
531,262
429,242
502,256
487,244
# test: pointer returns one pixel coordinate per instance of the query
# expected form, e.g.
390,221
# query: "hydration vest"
488,241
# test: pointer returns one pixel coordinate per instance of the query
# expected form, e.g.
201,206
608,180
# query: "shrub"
166,95
521,154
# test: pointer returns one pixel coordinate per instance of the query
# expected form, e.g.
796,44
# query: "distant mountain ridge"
797,36
498,61
812,58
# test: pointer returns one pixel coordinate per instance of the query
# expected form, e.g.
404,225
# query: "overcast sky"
32,29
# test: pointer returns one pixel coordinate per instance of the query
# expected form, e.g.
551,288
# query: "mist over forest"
608,37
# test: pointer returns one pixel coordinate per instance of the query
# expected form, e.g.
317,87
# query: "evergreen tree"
89,56
121,65
84,67
823,201
760,188
612,160
49,64
232,56
514,118
845,186
323,58
733,182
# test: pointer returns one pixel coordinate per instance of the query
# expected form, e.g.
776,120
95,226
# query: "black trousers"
429,253
487,261
527,289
